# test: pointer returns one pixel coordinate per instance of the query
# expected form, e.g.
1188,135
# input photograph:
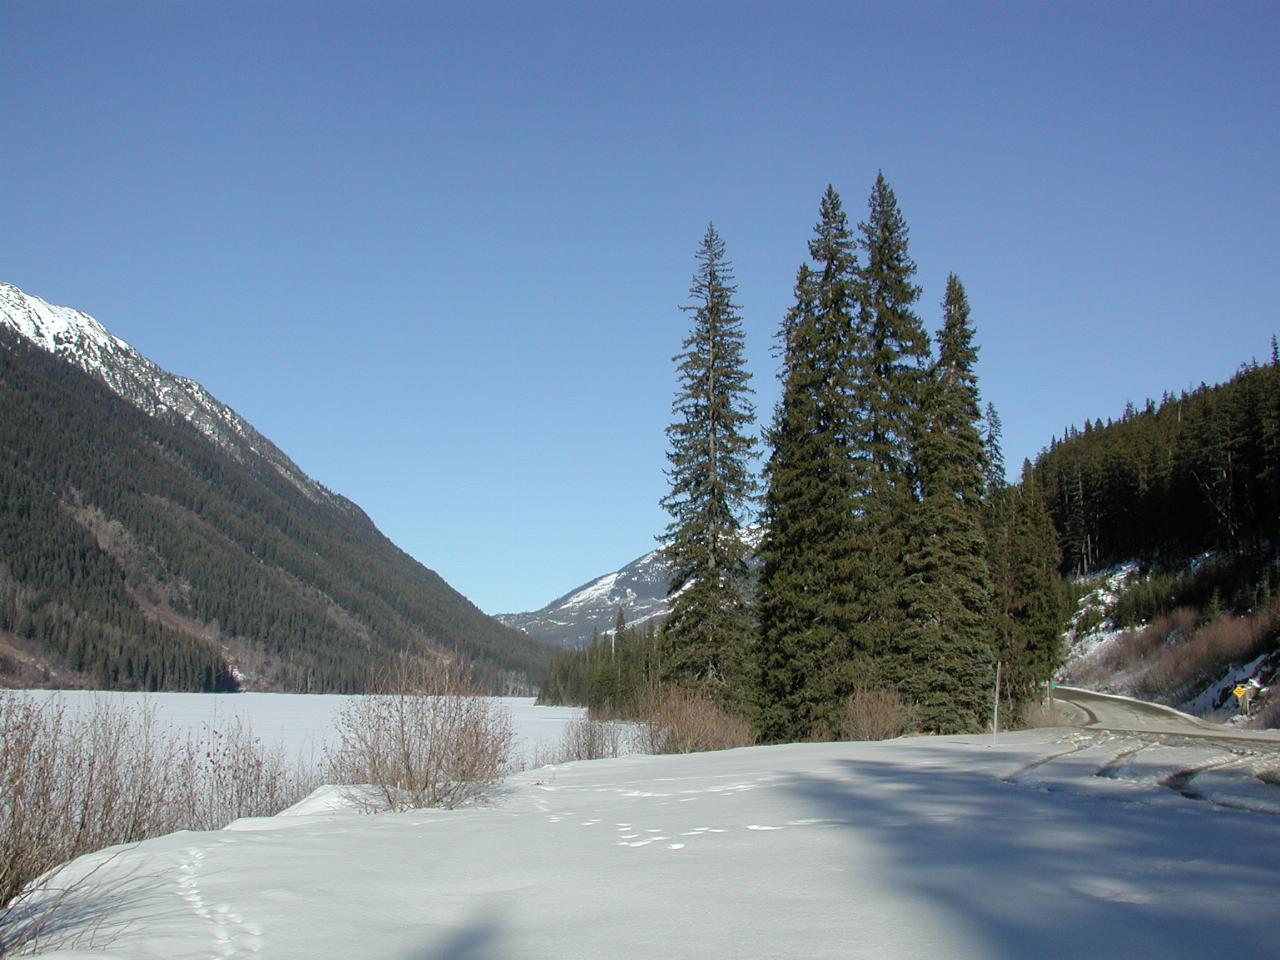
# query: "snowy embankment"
1043,843
1101,656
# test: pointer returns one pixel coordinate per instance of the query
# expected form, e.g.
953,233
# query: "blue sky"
436,252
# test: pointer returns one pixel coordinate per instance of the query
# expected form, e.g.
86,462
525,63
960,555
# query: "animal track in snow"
231,933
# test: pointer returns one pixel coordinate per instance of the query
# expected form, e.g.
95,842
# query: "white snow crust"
1050,843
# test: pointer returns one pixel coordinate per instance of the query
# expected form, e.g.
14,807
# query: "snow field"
1042,843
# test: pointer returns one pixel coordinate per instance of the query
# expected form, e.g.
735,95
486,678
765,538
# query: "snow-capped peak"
82,341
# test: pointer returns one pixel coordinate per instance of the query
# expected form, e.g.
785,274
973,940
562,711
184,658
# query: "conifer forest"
894,554
896,557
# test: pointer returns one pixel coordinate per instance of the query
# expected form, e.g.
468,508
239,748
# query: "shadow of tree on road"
1029,873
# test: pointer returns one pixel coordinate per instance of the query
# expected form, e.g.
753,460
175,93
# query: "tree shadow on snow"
1023,872
478,939
88,909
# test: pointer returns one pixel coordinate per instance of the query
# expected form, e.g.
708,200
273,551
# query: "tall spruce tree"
806,600
946,645
707,634
893,353
997,521
1032,624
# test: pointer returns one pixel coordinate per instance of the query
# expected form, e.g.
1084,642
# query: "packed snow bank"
1043,843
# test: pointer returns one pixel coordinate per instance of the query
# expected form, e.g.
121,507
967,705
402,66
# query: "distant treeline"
139,555
1197,472
611,673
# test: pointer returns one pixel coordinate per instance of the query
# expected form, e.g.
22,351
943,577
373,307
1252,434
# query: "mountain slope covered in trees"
137,551
1198,471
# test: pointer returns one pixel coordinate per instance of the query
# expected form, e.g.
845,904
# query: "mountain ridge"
80,339
638,588
151,538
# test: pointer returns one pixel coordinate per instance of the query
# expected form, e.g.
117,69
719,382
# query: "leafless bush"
423,740
71,784
228,774
676,720
1033,716
1132,652
1268,718
876,713
590,738
1179,666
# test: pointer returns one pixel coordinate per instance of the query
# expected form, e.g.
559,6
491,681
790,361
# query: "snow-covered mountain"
639,588
80,339
217,560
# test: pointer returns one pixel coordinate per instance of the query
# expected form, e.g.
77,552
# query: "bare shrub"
1188,660
74,784
1268,718
422,740
590,738
228,774
1033,716
676,720
876,713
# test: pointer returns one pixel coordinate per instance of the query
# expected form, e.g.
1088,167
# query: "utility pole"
995,711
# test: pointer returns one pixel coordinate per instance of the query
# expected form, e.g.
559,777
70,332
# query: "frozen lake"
302,723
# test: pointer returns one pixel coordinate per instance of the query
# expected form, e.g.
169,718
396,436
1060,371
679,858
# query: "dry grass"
423,740
74,784
1172,657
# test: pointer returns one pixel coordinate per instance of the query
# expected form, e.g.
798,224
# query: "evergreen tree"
993,454
896,348
807,591
1030,635
997,521
946,645
893,351
711,486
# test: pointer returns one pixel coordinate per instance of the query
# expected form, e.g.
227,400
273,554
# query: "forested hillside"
1197,472
136,554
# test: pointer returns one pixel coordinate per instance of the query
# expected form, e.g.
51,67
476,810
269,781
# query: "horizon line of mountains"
151,538
233,567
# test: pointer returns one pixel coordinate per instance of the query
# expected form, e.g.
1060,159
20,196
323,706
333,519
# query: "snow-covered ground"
1042,843
302,724
1084,643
